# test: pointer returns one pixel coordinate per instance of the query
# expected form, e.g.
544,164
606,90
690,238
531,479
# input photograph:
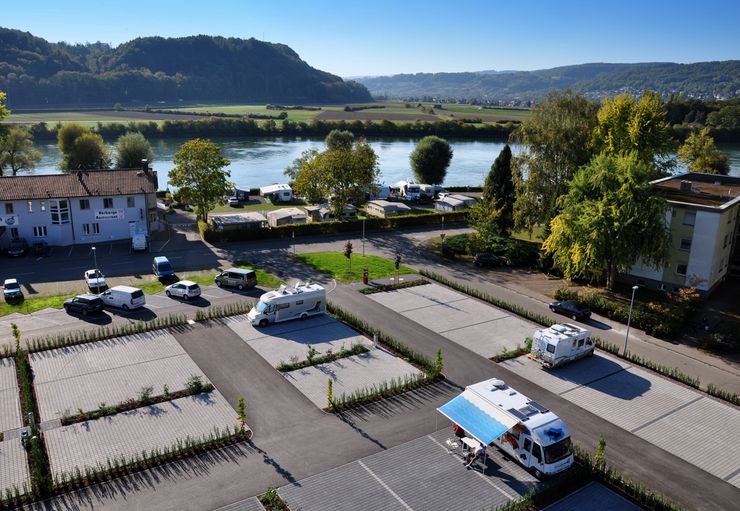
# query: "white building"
286,216
454,203
384,208
79,207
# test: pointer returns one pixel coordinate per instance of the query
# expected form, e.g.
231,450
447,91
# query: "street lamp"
97,279
629,318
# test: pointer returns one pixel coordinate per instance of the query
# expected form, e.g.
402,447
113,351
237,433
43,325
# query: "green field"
335,265
293,115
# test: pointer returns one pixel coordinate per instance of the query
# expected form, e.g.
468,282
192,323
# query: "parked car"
95,280
233,201
162,268
18,247
12,291
125,297
138,242
576,311
84,304
488,260
236,277
185,289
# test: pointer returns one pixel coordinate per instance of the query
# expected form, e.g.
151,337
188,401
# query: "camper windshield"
261,306
558,451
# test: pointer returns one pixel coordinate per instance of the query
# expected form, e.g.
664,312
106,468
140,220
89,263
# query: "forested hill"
35,72
705,80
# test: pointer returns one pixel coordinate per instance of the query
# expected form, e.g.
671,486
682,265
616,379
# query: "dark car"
18,247
575,310
488,260
12,291
84,304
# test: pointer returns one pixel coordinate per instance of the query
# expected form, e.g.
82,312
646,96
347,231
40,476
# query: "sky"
382,37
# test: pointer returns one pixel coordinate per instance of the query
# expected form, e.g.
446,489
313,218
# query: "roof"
389,206
566,331
478,418
699,189
238,218
297,289
286,212
91,183
457,200
274,188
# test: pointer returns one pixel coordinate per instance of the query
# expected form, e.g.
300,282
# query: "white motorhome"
492,413
430,191
409,190
285,303
560,344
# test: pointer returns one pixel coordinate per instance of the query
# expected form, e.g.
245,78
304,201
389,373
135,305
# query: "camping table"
470,443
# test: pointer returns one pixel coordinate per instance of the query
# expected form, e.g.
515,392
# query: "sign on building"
109,214
8,220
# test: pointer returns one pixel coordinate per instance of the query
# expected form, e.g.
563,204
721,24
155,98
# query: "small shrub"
145,395
194,384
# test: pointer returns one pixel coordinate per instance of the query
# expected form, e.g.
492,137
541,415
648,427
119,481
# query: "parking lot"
674,417
13,464
479,327
10,408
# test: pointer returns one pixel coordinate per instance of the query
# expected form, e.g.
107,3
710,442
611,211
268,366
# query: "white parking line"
70,251
399,499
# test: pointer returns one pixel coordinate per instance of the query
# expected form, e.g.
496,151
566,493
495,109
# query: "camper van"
492,413
409,190
560,344
285,303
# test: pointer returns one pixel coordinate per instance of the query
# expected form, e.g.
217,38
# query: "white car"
185,289
233,201
95,279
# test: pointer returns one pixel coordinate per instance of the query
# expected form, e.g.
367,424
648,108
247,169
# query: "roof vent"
496,384
686,185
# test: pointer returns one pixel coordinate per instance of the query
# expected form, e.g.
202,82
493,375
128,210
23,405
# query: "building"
285,216
238,221
79,207
277,193
454,203
384,208
703,221
324,213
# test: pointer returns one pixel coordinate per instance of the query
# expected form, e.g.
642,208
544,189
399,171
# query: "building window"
88,229
108,202
43,205
681,269
14,233
685,244
30,206
84,203
130,203
8,208
59,211
689,217
39,232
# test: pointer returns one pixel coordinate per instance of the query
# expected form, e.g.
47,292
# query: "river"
257,162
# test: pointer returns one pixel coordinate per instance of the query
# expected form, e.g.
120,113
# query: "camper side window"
527,444
537,452
580,343
551,348
299,302
283,306
589,341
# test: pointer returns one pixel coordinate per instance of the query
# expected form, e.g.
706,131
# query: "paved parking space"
349,374
243,328
418,475
252,504
593,497
109,371
480,327
88,443
10,407
13,466
676,418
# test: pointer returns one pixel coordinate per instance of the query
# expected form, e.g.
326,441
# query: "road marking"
653,421
70,251
399,499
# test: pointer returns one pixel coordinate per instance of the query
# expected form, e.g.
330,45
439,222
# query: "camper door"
531,455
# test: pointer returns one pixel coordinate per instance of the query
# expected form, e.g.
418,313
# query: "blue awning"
480,420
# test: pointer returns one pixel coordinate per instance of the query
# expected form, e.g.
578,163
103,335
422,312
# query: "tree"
81,149
4,112
499,193
610,218
17,151
430,159
557,139
337,139
131,148
702,155
199,166
626,125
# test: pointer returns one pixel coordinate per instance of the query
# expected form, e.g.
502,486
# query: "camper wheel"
304,316
574,317
218,283
240,287
263,323
124,307
590,353
537,473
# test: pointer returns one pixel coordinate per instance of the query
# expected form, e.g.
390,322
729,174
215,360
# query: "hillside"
35,72
706,80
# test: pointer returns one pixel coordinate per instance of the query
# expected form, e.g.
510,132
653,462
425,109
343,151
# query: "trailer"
286,303
561,344
492,413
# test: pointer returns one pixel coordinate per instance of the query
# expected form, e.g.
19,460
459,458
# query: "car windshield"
261,306
558,451
12,285
137,294
165,266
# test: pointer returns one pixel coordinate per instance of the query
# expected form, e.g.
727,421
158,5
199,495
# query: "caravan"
285,303
495,414
560,344
409,190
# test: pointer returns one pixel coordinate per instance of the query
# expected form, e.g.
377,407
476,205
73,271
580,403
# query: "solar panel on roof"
538,407
516,413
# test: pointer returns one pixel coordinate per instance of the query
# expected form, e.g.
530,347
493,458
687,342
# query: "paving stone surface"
109,371
349,374
443,318
244,329
10,407
491,337
251,504
593,497
125,434
390,480
13,465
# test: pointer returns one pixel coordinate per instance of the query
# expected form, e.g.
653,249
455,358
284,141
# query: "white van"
138,242
124,297
560,344
285,303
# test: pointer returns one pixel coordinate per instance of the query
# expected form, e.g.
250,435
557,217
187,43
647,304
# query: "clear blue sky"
351,38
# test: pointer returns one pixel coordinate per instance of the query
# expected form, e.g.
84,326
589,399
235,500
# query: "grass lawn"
263,278
336,265
524,234
33,304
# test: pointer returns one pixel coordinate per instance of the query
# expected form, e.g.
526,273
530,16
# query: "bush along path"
669,372
313,358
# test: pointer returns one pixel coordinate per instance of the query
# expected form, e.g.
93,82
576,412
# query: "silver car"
184,289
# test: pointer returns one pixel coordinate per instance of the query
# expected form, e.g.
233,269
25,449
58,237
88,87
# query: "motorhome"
285,303
560,344
409,190
430,191
492,413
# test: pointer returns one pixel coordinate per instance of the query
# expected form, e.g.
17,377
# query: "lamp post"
629,318
97,279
